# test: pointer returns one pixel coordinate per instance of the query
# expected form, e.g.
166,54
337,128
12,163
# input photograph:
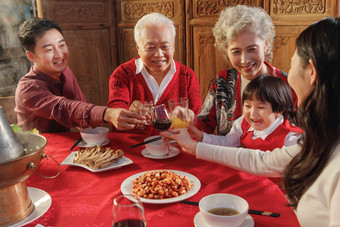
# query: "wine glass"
161,119
128,210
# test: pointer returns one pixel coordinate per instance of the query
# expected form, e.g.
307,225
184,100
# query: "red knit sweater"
125,86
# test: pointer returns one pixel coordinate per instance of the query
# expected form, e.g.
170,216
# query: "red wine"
130,223
162,124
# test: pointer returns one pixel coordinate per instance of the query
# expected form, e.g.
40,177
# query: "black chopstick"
257,212
76,143
145,142
266,213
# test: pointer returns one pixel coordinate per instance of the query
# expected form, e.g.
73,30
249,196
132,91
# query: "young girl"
268,112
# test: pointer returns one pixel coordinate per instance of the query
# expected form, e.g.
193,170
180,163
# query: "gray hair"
237,19
152,19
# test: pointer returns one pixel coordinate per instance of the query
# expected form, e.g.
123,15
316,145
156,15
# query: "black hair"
319,115
30,30
273,90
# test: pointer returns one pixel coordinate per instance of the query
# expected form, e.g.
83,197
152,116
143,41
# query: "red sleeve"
119,92
194,93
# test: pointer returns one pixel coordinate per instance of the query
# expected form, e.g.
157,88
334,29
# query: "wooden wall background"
99,33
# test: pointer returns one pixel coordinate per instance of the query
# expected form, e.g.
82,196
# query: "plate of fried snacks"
161,186
97,159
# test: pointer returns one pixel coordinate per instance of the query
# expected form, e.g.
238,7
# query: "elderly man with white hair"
154,75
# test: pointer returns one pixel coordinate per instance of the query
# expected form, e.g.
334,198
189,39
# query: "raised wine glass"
161,118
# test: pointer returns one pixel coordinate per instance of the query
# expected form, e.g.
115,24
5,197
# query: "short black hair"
34,28
273,90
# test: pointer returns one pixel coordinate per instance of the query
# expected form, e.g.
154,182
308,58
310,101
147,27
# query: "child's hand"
182,138
195,133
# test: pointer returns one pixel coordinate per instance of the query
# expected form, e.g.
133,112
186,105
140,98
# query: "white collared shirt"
156,90
232,139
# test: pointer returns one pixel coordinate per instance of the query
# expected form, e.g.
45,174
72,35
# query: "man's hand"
135,106
123,119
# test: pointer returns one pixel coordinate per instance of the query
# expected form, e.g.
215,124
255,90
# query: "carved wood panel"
71,12
301,12
209,60
284,45
209,8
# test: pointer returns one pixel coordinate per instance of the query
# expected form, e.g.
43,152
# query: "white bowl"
156,148
94,136
221,200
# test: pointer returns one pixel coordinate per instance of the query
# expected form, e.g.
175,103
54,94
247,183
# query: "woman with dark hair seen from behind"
311,169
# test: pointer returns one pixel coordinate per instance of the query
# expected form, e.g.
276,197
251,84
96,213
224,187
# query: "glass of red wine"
128,210
161,119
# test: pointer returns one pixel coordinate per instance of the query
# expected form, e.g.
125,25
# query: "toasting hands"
183,139
123,119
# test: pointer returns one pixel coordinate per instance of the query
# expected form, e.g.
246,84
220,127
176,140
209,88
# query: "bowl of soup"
223,209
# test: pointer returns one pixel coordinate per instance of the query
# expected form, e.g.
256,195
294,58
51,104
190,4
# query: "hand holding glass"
179,111
149,103
128,210
143,110
161,118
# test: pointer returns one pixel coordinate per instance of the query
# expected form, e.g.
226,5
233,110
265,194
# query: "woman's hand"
183,139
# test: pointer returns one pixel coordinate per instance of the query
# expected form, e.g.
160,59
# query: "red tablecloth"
83,198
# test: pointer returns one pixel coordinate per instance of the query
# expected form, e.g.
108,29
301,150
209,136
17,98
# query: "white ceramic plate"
84,144
200,222
172,153
126,188
42,202
121,162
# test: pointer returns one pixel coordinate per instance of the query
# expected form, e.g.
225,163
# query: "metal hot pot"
15,203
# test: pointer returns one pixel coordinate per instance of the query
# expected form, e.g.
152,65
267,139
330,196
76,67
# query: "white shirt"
156,90
244,83
232,139
319,205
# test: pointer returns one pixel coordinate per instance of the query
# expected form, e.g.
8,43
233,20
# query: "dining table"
84,198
